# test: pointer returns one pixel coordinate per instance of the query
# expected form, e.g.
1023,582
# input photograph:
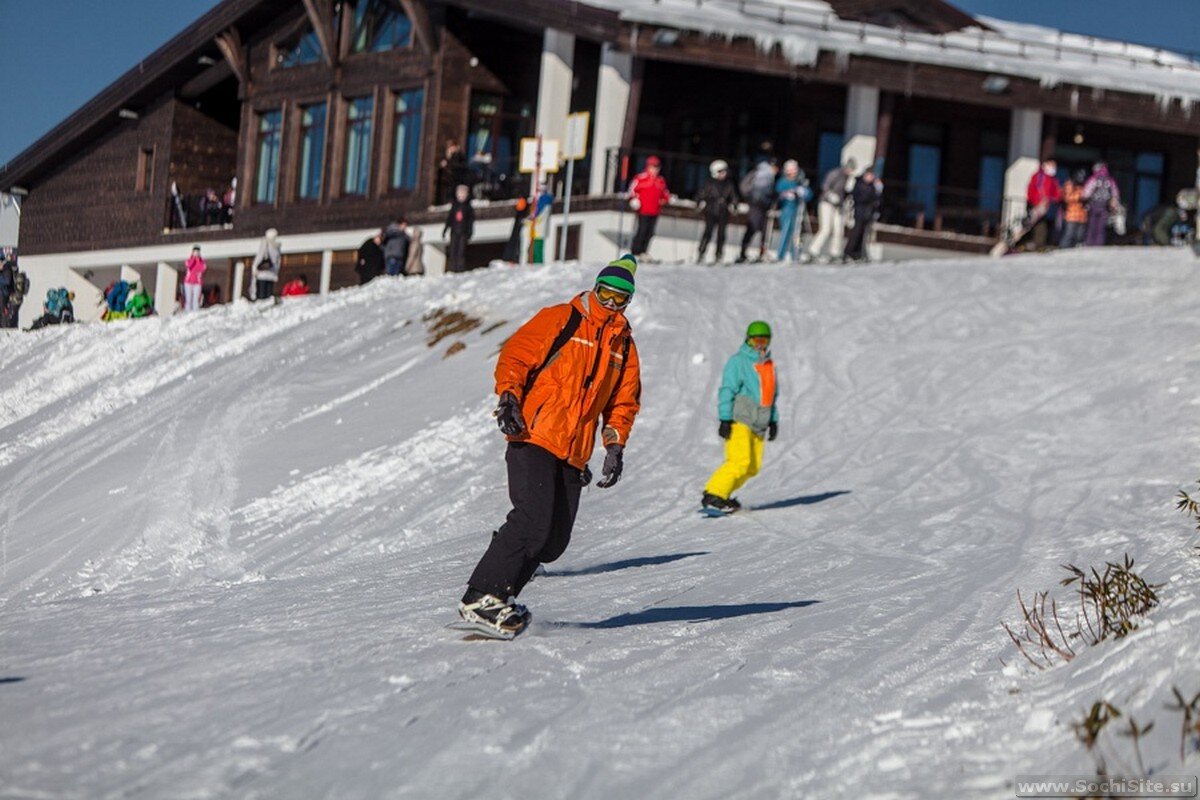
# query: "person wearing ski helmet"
570,370
747,411
718,199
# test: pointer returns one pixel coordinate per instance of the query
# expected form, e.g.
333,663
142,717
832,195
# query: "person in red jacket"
647,195
296,288
567,375
1043,196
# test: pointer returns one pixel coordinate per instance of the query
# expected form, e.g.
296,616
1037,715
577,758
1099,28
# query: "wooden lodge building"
333,116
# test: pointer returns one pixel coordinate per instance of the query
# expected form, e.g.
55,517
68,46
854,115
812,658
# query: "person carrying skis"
747,413
718,199
831,220
1042,195
792,190
758,190
566,370
866,196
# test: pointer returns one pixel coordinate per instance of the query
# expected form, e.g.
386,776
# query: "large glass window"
829,154
1149,170
993,162
270,129
312,150
303,49
406,157
379,25
358,145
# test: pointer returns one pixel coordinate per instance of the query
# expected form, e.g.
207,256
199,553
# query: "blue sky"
58,54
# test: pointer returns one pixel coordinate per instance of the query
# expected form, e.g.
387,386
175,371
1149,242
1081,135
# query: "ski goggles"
759,341
610,297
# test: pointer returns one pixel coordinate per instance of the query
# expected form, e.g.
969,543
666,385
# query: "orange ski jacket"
596,373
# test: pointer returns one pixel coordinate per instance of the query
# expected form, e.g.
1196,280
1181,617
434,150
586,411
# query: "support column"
166,287
1024,148
554,86
612,105
239,273
326,270
862,120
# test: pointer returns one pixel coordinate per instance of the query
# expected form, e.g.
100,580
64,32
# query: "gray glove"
611,471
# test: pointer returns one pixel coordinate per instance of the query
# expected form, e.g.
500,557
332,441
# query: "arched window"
379,25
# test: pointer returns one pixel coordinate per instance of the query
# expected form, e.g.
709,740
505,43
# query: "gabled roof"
168,67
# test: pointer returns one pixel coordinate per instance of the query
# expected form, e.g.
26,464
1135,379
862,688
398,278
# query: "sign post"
576,148
538,155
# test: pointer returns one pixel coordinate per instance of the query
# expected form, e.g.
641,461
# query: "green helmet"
758,328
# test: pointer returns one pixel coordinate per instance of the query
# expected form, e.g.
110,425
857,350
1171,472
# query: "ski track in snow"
225,570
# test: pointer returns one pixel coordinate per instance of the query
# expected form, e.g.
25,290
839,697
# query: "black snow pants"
756,223
544,491
643,234
711,224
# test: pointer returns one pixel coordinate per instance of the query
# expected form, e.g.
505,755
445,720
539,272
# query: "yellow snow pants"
743,458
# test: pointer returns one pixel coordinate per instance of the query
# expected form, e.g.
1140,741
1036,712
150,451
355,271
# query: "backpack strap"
563,337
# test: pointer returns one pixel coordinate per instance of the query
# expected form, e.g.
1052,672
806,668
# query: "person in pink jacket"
193,280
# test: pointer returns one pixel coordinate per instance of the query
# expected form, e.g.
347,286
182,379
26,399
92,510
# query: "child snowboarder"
747,412
557,376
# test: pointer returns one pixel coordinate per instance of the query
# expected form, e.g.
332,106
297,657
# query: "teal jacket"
749,390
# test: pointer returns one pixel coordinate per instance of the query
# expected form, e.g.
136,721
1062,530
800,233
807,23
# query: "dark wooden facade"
102,180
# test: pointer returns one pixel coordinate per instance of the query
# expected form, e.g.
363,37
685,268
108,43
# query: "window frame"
144,180
352,31
322,162
348,126
261,136
397,118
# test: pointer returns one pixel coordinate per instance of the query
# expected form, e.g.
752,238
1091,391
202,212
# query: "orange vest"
1073,197
581,383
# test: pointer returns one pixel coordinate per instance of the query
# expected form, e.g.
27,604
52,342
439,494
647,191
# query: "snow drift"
230,541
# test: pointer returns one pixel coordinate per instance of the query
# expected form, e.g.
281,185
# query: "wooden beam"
320,16
418,14
229,42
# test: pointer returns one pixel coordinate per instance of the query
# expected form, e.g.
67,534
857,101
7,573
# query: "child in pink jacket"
193,280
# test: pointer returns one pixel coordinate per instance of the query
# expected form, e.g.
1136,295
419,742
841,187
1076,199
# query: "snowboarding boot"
713,506
492,616
733,504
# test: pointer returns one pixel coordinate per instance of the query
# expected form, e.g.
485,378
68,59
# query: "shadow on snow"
650,616
628,563
806,500
11,680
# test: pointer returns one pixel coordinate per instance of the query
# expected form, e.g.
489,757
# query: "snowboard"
716,513
479,633
1014,236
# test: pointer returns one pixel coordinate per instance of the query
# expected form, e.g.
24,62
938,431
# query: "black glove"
772,431
508,415
585,475
613,464
726,429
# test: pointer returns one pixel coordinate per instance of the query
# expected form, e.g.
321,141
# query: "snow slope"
229,541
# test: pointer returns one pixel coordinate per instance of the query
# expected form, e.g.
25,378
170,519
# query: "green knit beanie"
619,274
